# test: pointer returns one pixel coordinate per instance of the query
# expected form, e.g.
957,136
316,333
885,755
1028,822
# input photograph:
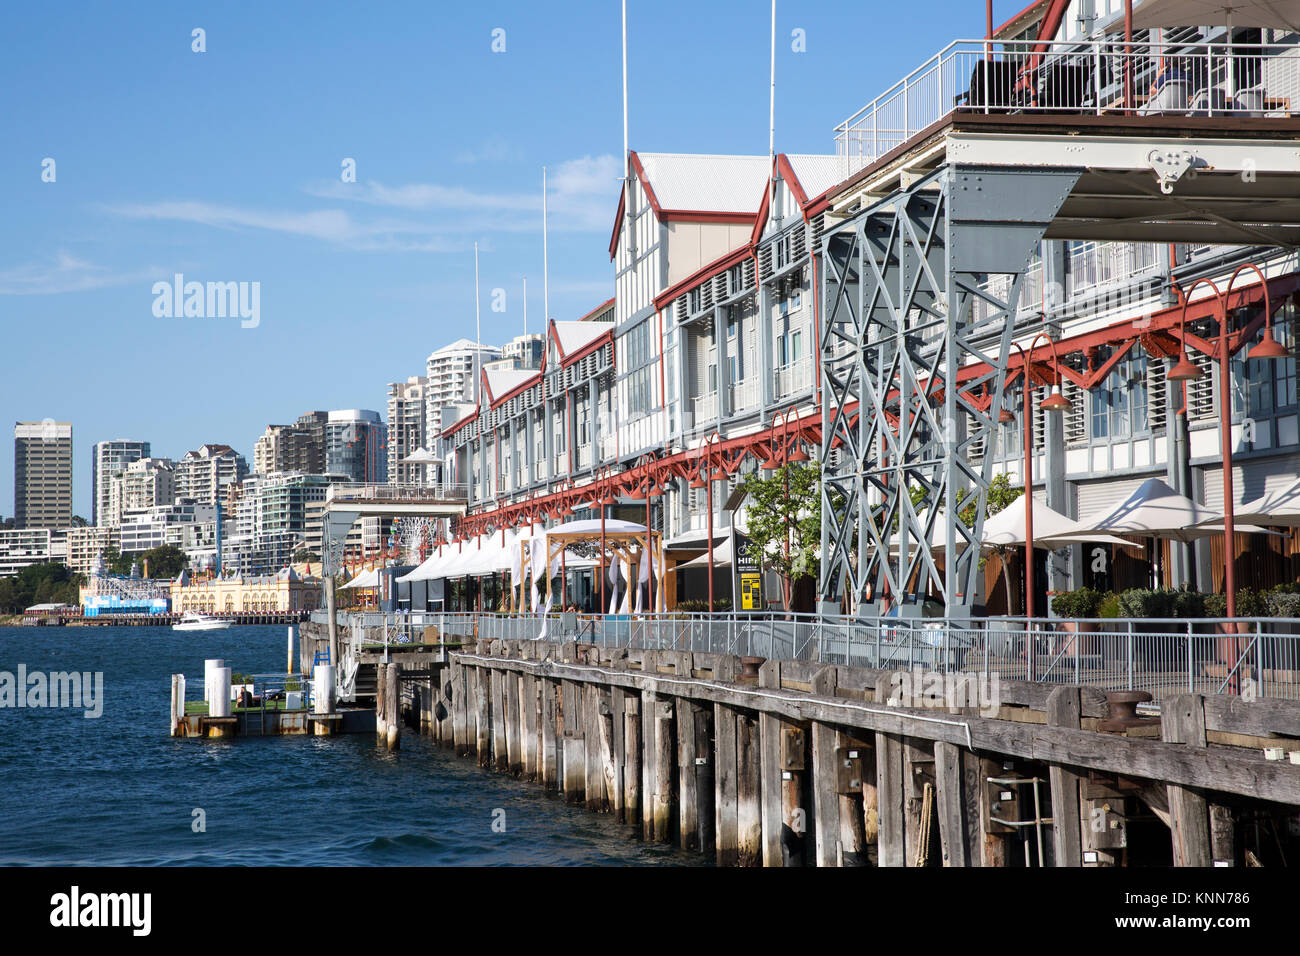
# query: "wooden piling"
950,799
891,850
664,761
631,758
513,723
794,815
826,806
705,788
500,753
575,781
993,841
1064,710
531,725
749,810
483,716
726,837
611,784
549,758
1182,721
688,816
918,810
769,746
850,759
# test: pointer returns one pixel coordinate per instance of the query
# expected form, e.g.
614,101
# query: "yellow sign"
751,591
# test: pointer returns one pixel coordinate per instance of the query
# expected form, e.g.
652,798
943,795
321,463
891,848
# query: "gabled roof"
692,187
573,338
499,383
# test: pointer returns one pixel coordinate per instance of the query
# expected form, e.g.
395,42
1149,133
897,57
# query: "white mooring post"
178,701
210,667
323,689
288,667
219,704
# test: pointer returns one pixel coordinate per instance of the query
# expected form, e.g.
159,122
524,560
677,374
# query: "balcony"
794,378
706,409
1083,76
744,395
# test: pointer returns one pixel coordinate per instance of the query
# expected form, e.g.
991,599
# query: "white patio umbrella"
1006,529
1153,14
366,579
722,556
1279,508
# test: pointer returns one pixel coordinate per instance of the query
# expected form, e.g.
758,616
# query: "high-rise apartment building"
297,447
109,460
450,376
205,474
143,484
356,442
42,474
408,430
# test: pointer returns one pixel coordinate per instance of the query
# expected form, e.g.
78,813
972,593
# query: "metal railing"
1082,76
1162,656
795,377
346,491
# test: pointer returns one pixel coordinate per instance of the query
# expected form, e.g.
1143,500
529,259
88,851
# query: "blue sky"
225,166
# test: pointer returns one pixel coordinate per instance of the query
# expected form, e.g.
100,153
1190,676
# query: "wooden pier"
811,764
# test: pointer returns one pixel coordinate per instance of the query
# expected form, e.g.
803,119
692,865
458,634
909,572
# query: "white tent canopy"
1154,14
366,579
722,556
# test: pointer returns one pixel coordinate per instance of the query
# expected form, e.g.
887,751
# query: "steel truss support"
910,303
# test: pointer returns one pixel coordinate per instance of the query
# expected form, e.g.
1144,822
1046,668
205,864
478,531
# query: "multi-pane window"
638,360
1263,386
1119,404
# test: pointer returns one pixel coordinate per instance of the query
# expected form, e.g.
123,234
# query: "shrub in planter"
1080,604
1109,606
1283,603
1216,605
1250,603
1187,603
1144,602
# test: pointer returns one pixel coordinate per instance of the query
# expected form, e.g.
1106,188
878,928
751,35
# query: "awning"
1154,14
366,579
722,557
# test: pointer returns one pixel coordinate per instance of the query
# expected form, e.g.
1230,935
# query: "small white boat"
200,622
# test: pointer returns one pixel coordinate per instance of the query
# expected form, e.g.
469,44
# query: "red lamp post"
1185,370
706,482
1055,402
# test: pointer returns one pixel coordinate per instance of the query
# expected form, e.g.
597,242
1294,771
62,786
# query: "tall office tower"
355,445
43,474
205,474
407,429
109,460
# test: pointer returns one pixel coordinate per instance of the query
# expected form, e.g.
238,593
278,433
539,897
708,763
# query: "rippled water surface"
118,790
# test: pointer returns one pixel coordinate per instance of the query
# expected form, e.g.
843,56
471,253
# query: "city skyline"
360,281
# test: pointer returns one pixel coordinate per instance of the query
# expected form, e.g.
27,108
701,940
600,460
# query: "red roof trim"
595,344
600,308
618,224
707,272
459,424
1036,3
792,179
706,215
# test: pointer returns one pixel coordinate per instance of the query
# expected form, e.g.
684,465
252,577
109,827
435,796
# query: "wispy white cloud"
65,273
419,217
494,150
327,225
581,196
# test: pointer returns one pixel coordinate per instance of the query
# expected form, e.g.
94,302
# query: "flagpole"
546,269
771,121
478,329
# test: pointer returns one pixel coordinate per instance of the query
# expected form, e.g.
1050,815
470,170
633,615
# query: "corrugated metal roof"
574,335
706,183
502,380
818,173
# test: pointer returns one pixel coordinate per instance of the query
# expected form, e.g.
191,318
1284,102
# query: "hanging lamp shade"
1269,348
1185,370
1005,417
798,454
1056,402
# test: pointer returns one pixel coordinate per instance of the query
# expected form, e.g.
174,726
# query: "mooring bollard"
178,702
219,705
323,698
209,670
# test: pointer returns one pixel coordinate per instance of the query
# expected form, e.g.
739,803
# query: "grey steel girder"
907,307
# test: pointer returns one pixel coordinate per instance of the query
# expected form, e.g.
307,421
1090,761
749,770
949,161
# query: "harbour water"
116,790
